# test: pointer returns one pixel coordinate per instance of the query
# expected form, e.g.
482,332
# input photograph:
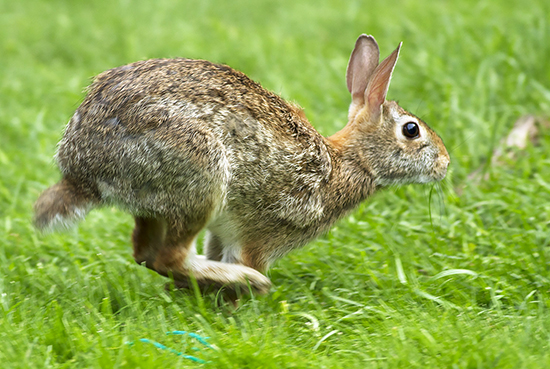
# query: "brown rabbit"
187,144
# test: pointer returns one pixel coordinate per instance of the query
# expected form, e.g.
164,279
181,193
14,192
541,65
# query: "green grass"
417,277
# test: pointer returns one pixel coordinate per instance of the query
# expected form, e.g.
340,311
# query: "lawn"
454,275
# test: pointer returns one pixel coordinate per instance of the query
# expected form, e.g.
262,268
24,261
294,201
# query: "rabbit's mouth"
438,172
441,170
440,175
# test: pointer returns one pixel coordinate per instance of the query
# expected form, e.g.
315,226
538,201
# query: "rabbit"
184,145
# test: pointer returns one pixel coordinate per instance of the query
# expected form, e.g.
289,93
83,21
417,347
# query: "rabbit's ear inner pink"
375,95
362,64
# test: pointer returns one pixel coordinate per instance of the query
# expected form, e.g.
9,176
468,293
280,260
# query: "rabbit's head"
395,146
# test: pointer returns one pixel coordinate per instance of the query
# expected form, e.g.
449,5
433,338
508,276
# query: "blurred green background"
453,275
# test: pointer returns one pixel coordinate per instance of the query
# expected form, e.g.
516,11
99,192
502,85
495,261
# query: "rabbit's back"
175,135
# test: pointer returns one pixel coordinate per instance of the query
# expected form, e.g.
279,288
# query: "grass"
420,276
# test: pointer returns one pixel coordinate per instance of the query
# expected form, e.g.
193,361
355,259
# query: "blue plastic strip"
201,339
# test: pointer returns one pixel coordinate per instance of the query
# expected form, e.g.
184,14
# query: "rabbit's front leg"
213,247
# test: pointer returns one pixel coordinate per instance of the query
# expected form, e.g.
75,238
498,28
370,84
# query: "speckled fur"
187,144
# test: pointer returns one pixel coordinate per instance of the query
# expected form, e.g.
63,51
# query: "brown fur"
67,199
187,144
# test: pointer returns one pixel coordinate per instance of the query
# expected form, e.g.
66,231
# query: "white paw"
258,281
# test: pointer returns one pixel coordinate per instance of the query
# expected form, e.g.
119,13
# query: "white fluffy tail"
62,206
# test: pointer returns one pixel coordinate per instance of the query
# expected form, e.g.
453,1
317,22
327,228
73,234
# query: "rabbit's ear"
362,63
375,95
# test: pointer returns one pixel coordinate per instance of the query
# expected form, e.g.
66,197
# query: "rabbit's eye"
410,130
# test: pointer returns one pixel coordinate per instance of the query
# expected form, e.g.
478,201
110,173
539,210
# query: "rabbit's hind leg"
167,248
148,236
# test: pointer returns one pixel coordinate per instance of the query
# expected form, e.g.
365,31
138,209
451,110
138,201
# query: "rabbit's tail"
63,205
